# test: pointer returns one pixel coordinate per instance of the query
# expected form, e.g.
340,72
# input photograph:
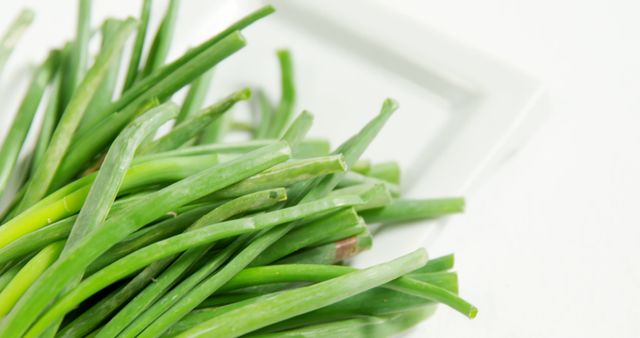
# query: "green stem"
49,119
10,270
116,228
147,236
311,148
219,148
439,264
331,253
94,140
312,234
358,327
386,171
298,128
61,138
251,202
291,303
285,174
168,70
37,240
104,94
17,132
404,210
195,96
287,99
13,34
352,178
176,244
78,58
27,275
352,149
92,317
138,46
113,170
184,132
69,199
162,41
266,113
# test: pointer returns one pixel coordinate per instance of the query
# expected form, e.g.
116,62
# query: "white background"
549,246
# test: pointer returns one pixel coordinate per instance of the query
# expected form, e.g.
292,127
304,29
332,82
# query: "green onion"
112,173
143,320
37,240
386,171
365,304
162,41
182,133
221,148
10,270
80,52
149,235
331,253
352,149
379,301
215,131
111,176
17,133
375,195
445,280
298,301
49,119
89,143
360,326
362,167
201,315
27,275
104,94
432,292
311,148
285,174
138,45
168,247
353,178
139,213
13,34
195,96
439,264
266,114
288,96
414,285
219,301
121,231
302,210
316,233
167,71
242,204
91,318
60,230
61,138
402,210
69,199
298,128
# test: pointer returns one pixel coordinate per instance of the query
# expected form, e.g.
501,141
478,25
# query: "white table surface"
549,245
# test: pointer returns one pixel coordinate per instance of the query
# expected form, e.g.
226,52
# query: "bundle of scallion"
117,232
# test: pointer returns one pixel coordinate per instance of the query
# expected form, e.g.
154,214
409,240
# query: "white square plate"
461,112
